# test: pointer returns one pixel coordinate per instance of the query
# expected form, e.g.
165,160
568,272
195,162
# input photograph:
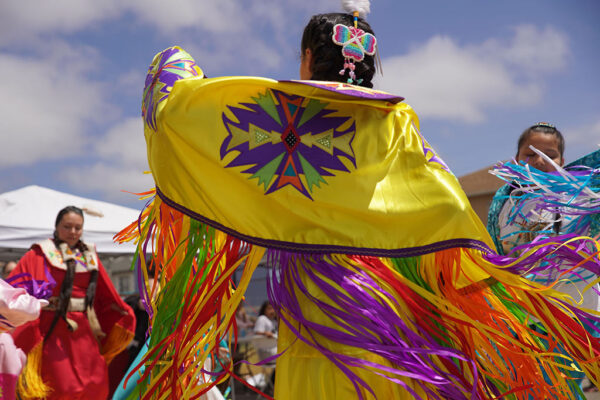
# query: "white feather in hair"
92,211
362,6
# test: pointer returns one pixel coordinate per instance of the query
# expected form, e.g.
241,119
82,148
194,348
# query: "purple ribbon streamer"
365,321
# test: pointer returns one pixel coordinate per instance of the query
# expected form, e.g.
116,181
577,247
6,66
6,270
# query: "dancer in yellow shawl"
383,276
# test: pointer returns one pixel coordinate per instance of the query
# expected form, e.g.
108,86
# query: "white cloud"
122,151
124,144
534,50
443,79
55,97
230,31
108,179
581,139
131,83
208,16
20,20
588,133
48,104
258,58
23,21
51,96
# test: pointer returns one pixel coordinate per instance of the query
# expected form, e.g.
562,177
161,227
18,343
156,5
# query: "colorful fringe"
572,191
194,309
115,342
431,320
410,312
31,384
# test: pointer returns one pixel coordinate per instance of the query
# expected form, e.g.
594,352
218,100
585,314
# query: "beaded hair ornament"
354,41
543,125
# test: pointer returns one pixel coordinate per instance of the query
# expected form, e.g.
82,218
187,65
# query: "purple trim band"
350,90
329,249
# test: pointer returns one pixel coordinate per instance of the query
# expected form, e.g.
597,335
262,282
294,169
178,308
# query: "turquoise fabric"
493,225
123,392
591,160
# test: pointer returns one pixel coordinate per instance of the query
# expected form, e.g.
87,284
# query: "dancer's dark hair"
543,127
65,211
327,59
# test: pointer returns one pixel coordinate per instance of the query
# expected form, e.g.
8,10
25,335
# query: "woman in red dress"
85,325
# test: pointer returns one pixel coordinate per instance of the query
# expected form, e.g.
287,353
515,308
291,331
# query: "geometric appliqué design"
287,140
430,154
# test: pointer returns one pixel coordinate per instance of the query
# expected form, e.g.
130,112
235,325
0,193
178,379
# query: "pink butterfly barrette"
355,44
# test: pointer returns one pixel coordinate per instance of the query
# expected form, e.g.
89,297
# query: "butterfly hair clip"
355,44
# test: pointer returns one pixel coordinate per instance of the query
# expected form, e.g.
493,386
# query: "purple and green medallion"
288,140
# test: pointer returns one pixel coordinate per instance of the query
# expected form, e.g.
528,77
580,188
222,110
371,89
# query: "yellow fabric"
397,195
401,201
303,372
308,374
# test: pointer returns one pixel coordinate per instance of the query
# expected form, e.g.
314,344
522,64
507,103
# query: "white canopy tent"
27,216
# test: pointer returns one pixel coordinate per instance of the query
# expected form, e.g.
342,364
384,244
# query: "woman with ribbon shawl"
383,277
83,327
542,199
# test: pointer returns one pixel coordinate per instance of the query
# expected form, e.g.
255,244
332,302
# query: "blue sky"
476,72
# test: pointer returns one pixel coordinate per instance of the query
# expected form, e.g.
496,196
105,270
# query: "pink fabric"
12,360
8,385
17,307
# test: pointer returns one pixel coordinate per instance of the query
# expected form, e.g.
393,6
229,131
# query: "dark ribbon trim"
330,249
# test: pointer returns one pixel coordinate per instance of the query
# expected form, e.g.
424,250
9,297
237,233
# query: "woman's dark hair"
263,308
327,58
543,127
66,210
